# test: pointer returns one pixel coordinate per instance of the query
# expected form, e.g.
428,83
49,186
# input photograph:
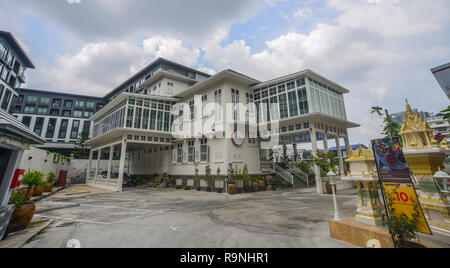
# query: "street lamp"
332,177
442,178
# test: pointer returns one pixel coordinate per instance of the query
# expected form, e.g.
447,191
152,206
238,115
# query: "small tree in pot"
24,210
51,179
34,180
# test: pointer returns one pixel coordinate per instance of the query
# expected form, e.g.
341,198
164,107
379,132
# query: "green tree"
81,149
326,162
390,128
446,113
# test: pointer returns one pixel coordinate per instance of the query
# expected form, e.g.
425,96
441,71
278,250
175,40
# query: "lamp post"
332,177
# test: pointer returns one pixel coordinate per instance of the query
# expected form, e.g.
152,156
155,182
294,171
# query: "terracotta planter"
48,187
232,188
38,190
255,187
22,217
262,185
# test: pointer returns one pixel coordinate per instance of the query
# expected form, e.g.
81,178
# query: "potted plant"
255,185
24,210
48,185
401,227
262,183
34,180
247,180
208,179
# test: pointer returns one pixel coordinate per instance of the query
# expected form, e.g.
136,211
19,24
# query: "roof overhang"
324,118
15,45
226,74
308,73
14,128
167,74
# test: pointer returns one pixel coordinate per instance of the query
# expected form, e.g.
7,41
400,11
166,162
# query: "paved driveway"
180,219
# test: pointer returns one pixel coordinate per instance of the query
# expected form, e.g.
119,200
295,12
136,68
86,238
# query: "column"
319,186
88,173
111,153
325,142
285,154
295,152
97,169
339,154
347,145
123,153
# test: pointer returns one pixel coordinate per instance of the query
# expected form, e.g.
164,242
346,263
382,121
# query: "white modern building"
174,122
440,125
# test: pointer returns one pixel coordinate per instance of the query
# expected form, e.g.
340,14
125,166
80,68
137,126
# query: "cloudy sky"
382,50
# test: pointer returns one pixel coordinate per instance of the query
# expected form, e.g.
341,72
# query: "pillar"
123,152
325,142
319,186
295,152
285,154
347,145
339,154
111,154
99,158
88,175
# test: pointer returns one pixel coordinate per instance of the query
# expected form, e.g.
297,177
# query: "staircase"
296,178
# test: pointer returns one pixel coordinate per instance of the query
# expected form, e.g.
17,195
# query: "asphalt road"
138,218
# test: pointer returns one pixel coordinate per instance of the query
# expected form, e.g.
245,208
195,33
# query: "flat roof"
12,125
306,72
71,95
15,45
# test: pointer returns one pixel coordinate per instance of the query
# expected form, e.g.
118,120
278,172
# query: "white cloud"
303,13
171,49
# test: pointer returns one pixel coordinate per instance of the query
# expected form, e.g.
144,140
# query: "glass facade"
296,97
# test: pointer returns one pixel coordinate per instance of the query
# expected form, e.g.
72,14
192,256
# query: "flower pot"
329,189
48,187
262,185
38,190
232,188
22,217
255,187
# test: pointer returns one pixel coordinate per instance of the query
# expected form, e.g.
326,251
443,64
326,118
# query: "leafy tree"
391,128
446,113
81,149
326,161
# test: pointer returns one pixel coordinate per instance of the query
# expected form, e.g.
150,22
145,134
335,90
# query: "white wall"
41,161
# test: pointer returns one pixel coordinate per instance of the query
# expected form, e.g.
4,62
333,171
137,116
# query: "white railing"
284,174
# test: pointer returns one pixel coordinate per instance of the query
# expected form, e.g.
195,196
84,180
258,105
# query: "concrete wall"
39,160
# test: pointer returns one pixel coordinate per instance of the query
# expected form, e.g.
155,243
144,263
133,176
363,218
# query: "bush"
51,178
179,187
187,188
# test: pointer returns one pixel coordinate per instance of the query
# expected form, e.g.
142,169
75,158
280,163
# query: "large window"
26,120
42,110
283,106
63,129
90,105
303,101
32,99
68,104
51,128
45,101
29,109
6,99
78,114
75,129
39,125
293,107
79,104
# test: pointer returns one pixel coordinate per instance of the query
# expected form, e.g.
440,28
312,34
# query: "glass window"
39,125
42,110
145,120
281,88
160,121
303,101
26,120
153,120
6,99
293,107
90,105
63,129
68,104
78,114
51,128
32,99
29,109
130,117
45,101
75,128
283,106
66,113
79,104
56,103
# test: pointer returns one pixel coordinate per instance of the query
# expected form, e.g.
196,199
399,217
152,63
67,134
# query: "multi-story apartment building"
58,118
439,124
14,136
178,122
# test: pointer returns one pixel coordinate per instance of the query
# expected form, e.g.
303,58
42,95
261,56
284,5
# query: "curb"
41,229
49,194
